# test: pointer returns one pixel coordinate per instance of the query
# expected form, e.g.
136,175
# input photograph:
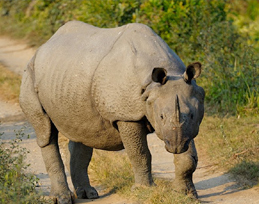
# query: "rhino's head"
175,107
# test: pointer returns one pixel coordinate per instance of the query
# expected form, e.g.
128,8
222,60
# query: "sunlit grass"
231,143
113,171
9,85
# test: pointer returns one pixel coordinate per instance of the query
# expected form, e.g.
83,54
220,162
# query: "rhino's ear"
193,71
159,75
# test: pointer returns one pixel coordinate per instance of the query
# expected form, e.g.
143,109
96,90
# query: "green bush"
201,30
198,30
231,70
246,17
16,186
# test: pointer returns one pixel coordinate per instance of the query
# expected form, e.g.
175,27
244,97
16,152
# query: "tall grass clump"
16,186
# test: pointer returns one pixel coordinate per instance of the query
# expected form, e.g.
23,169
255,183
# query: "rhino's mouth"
176,149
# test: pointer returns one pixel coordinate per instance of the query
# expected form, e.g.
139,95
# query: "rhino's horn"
177,110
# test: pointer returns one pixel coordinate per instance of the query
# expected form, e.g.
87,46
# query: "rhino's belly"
95,133
76,118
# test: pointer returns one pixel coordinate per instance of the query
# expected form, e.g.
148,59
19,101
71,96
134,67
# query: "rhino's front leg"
134,138
185,165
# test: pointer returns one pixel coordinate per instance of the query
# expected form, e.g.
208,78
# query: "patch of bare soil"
212,187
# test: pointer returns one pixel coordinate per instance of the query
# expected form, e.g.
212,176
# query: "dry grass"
113,170
232,144
9,85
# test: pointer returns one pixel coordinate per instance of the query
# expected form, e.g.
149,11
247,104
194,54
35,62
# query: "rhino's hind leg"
185,165
47,136
55,168
80,157
134,138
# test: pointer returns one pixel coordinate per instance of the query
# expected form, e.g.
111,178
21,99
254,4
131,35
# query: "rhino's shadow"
221,185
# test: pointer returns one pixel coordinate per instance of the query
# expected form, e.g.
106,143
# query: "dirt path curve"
212,187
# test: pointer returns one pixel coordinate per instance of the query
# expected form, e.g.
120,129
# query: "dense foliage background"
222,34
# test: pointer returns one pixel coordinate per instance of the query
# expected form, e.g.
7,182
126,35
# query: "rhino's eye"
161,116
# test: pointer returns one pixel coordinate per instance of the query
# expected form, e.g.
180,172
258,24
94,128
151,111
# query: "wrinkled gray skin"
107,89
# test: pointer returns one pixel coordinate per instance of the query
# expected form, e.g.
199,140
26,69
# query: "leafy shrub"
108,13
16,186
200,30
206,31
246,17
231,70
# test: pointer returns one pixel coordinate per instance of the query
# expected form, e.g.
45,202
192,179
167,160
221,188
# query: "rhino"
108,88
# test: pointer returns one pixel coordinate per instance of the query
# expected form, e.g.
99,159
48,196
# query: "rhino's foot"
86,193
185,186
64,198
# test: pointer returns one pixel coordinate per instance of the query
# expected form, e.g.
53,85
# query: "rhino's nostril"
162,117
167,142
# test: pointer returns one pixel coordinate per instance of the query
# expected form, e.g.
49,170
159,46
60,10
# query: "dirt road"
212,187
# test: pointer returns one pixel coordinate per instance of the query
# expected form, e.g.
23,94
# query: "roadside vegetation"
222,35
16,184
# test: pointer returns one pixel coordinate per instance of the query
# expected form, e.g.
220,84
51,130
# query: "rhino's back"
72,55
64,68
88,77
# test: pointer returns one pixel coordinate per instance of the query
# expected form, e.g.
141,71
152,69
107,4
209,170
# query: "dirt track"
212,187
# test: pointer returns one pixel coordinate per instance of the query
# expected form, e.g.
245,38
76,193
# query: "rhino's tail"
32,108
